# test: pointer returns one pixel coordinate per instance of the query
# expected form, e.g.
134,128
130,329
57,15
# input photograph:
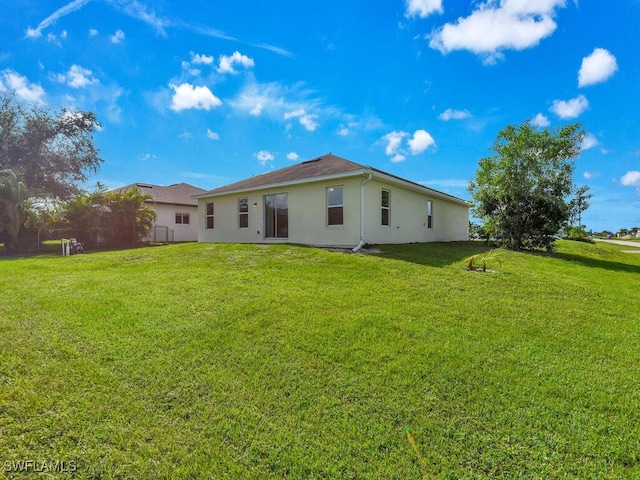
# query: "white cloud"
12,81
187,96
590,175
257,110
227,63
146,156
541,120
570,108
420,142
423,8
589,141
293,156
493,27
597,67
201,59
394,141
264,156
93,32
451,114
77,77
343,130
631,179
117,37
306,120
212,135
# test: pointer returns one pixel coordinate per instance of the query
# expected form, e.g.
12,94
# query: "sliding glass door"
276,216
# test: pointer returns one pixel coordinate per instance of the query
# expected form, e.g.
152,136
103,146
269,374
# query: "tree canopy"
51,151
523,192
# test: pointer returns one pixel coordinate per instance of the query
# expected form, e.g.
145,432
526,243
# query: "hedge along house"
176,210
330,201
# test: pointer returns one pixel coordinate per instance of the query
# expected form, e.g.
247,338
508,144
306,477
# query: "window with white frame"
429,214
334,206
385,207
209,215
182,218
243,213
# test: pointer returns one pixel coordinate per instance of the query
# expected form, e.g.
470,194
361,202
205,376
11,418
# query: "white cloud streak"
307,120
53,18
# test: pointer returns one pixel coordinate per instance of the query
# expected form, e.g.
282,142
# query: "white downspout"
359,246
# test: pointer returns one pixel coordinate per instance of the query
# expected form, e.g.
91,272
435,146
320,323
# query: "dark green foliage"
53,151
116,218
13,207
522,192
130,218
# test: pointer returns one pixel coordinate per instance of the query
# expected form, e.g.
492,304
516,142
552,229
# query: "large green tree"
52,151
523,192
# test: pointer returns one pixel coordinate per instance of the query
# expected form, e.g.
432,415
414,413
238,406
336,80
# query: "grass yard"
245,361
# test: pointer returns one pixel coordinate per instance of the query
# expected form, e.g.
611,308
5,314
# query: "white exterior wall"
307,205
166,217
408,217
307,215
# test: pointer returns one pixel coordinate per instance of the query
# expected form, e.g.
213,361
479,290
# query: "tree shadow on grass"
598,262
436,254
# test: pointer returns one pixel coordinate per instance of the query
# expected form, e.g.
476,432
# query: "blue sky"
209,93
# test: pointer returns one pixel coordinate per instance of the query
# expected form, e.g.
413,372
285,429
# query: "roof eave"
417,187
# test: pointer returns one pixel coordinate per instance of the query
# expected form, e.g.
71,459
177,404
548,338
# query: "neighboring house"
176,210
330,201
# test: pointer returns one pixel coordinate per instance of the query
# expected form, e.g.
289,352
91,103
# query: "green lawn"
240,361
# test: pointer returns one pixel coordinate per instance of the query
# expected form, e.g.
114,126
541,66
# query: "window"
209,215
276,216
429,214
386,204
243,213
334,206
182,218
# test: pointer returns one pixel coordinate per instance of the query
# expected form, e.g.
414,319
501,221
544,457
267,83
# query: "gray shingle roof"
177,194
325,165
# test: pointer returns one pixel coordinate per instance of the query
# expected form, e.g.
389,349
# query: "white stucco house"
330,201
176,210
